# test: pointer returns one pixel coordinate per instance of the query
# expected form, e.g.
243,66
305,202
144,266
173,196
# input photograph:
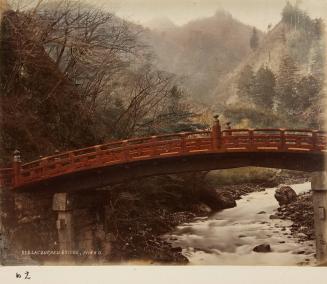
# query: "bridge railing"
274,139
230,140
116,152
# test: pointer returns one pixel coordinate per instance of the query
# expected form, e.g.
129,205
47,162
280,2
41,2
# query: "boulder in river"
201,208
217,199
273,217
262,248
285,195
301,235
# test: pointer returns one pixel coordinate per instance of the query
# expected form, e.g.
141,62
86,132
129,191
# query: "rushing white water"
229,236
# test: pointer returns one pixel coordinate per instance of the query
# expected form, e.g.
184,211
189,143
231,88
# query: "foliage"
269,100
286,85
245,82
308,89
263,94
75,76
41,108
240,175
318,60
254,40
299,19
243,115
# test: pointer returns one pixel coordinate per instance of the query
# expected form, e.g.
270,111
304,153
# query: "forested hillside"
281,82
73,75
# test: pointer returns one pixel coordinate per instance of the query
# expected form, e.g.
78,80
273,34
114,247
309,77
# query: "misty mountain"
200,52
161,24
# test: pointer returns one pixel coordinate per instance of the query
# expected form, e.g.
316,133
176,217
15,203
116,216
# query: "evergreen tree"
263,94
286,85
318,28
288,13
308,89
311,108
254,40
246,83
299,19
175,116
318,62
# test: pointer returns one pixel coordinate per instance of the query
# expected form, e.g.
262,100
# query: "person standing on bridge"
228,127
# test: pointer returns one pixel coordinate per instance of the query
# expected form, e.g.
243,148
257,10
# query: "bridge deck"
172,145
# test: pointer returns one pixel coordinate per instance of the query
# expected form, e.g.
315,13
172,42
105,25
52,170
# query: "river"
229,236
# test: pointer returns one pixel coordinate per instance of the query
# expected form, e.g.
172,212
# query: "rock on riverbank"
285,195
300,212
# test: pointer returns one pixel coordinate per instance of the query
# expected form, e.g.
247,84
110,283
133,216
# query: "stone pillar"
319,188
7,221
2,233
62,204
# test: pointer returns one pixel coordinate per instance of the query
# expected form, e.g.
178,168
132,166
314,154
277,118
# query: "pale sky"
254,12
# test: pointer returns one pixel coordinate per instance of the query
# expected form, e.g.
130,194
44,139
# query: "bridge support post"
319,189
3,252
216,133
62,205
16,166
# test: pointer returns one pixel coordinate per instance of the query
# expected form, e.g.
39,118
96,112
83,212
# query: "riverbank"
245,235
140,240
164,203
300,212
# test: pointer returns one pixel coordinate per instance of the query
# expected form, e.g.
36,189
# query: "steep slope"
282,81
272,48
40,106
282,40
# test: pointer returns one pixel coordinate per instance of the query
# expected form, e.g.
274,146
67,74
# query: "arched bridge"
119,161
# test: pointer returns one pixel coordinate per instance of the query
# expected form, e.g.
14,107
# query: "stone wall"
30,224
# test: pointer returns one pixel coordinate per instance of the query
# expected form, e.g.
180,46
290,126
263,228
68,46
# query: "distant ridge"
202,51
160,24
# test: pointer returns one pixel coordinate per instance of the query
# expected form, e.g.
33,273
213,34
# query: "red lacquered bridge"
120,161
